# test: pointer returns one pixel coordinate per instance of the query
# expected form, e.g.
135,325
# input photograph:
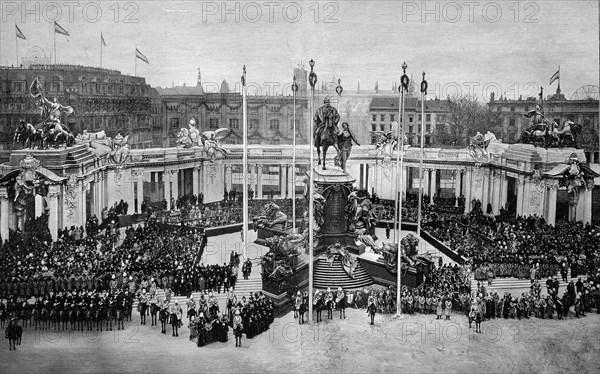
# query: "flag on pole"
60,30
141,56
556,76
20,34
102,40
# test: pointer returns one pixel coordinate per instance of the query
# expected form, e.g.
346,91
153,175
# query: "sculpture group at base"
192,137
545,133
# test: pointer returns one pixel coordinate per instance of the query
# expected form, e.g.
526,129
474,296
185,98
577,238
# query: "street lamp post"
312,80
339,89
423,93
294,90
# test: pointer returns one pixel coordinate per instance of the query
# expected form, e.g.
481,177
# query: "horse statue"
28,135
326,130
566,135
478,145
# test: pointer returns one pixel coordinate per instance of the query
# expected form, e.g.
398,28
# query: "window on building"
512,108
420,117
410,119
175,122
382,127
411,129
18,87
121,89
392,117
374,117
253,124
428,117
373,127
234,123
213,123
382,117
511,122
55,87
274,124
427,128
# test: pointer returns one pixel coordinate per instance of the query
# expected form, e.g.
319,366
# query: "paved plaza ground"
416,343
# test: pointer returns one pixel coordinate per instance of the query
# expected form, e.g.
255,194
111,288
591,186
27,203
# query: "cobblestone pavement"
416,343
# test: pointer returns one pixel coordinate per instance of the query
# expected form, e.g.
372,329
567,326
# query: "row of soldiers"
82,309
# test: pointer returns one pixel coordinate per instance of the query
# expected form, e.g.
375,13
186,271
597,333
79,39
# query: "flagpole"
100,49
135,58
294,89
55,43
17,45
245,165
311,209
423,92
399,186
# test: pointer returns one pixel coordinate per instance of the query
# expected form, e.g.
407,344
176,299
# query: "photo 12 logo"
470,11
269,11
69,11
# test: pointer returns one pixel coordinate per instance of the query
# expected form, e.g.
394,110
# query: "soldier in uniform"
142,306
328,300
237,328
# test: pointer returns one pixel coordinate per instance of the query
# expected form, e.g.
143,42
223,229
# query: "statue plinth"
334,185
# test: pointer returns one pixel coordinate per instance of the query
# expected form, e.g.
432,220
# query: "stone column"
291,180
432,185
467,188
167,187
425,184
4,213
281,181
175,185
497,181
520,194
140,190
195,189
503,190
583,210
52,199
457,180
228,178
485,195
259,185
551,209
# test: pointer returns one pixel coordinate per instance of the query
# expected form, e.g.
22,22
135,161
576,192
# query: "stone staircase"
335,276
243,287
508,284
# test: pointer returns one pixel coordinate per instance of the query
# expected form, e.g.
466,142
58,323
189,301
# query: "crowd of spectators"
518,247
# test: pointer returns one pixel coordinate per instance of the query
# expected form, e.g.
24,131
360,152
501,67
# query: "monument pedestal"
335,185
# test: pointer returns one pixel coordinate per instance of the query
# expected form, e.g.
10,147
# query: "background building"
270,117
103,99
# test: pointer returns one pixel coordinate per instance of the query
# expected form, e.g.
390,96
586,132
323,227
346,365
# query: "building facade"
103,99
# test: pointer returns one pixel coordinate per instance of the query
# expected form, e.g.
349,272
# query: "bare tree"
467,117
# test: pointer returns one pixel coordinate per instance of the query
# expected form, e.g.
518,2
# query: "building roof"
180,90
391,103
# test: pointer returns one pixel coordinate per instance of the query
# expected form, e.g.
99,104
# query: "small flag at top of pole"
102,40
141,56
20,34
60,30
555,76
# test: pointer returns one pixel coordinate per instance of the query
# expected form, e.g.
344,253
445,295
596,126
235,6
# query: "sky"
508,47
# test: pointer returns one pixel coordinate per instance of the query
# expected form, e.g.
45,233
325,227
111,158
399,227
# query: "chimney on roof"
199,79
